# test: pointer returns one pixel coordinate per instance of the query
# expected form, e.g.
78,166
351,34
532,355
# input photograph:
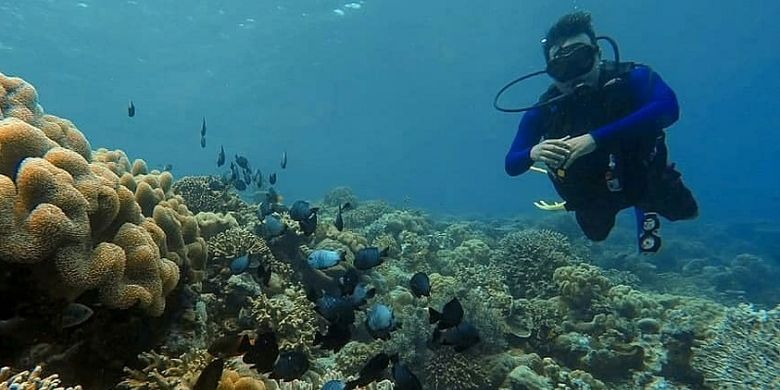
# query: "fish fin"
384,252
433,315
394,358
345,206
314,210
371,293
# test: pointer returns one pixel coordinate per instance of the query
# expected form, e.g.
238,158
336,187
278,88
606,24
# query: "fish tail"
433,315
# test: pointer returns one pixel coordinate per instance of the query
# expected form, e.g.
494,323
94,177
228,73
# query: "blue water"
392,99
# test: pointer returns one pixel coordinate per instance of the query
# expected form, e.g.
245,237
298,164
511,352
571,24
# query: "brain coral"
72,219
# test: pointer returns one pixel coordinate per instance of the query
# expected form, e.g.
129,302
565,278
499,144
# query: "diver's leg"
596,223
671,198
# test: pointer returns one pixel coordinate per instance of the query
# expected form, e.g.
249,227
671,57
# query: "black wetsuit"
626,117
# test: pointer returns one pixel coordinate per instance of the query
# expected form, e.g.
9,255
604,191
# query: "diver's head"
571,52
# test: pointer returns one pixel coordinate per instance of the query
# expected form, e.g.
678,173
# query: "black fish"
247,177
239,184
242,162
131,109
420,285
264,273
203,142
370,257
272,196
272,178
462,337
233,172
284,160
373,371
230,345
259,179
339,220
338,336
221,156
263,352
203,128
348,281
210,376
216,185
309,225
451,314
337,310
403,377
301,210
290,366
360,295
75,314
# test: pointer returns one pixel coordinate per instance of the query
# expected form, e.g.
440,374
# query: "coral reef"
529,258
291,315
34,379
446,369
161,372
741,351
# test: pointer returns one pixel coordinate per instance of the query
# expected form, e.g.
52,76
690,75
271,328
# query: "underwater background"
388,105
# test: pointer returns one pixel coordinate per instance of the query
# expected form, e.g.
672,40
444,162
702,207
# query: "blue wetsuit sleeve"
657,109
529,132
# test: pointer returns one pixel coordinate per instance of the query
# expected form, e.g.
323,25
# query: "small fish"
323,258
291,365
233,172
75,314
420,285
403,377
462,337
337,310
370,257
339,220
309,225
373,371
203,128
272,178
263,352
203,142
229,345
273,226
131,109
239,184
263,273
272,196
216,185
265,209
450,316
247,176
167,167
334,384
221,156
284,160
210,376
338,336
301,210
239,265
360,295
258,179
348,281
380,321
242,162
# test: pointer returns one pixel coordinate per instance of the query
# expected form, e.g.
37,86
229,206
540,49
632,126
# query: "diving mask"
572,61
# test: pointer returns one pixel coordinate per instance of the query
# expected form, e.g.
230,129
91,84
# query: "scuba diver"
599,129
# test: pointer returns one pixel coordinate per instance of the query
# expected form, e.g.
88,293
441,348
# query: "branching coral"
34,379
447,369
529,258
742,350
291,315
165,373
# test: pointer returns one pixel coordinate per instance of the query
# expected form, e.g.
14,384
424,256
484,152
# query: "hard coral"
72,218
34,379
742,350
291,315
447,369
529,258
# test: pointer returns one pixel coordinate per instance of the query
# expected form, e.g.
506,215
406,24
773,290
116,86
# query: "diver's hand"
579,147
552,152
